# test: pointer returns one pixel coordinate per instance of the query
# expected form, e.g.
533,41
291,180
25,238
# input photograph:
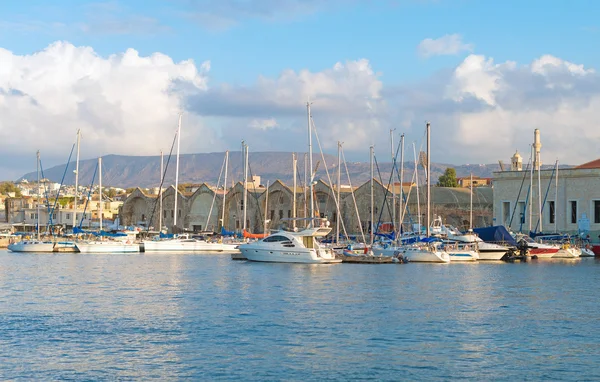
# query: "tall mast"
245,196
531,188
76,180
401,198
294,162
160,201
177,174
305,185
392,177
266,207
471,206
310,166
37,205
224,188
339,186
539,172
371,185
100,210
417,182
428,178
556,201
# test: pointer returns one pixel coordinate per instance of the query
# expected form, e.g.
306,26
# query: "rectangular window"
522,212
178,213
334,217
289,213
573,212
596,211
551,212
143,217
33,216
271,214
237,224
505,212
280,214
248,223
241,205
68,216
53,216
164,214
172,214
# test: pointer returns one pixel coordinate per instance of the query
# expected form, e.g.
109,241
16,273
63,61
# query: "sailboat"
36,245
428,249
295,246
106,246
183,242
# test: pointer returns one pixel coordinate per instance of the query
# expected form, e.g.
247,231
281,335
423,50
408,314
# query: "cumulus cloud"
124,103
481,110
345,99
446,45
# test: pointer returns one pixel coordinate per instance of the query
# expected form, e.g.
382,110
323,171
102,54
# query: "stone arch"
200,208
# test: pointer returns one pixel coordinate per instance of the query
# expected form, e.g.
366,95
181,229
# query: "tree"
7,187
111,193
448,179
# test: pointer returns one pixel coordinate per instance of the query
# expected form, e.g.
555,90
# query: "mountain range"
144,171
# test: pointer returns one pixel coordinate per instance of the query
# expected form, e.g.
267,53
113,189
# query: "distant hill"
143,171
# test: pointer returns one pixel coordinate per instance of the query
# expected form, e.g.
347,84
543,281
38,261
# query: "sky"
484,74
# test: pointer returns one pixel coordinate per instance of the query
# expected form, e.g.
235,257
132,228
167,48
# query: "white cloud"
263,124
124,103
480,111
446,45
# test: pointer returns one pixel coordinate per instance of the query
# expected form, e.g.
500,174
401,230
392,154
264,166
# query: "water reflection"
205,317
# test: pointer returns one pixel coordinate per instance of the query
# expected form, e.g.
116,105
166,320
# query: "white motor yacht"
291,247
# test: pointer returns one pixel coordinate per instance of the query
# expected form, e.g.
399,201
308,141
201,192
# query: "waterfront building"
572,207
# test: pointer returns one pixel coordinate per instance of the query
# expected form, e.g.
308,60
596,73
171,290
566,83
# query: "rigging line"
162,181
215,195
59,188
353,197
337,202
545,197
405,207
260,215
386,192
519,194
89,196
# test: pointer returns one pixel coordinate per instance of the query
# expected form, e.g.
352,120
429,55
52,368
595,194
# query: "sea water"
206,317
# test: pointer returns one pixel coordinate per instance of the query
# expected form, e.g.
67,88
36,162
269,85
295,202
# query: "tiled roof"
592,164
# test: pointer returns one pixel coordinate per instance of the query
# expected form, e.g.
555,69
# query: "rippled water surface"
206,317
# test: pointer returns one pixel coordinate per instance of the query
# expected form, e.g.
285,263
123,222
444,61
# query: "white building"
571,207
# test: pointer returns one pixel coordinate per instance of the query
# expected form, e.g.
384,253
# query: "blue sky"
245,43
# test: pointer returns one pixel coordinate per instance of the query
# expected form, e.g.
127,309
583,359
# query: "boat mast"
294,170
372,225
339,185
428,177
417,181
392,177
471,206
266,208
305,185
37,205
100,191
224,188
531,187
245,196
177,174
76,180
310,166
556,201
160,201
400,199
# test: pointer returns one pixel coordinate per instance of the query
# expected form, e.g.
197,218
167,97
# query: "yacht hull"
31,247
183,246
302,256
426,256
107,247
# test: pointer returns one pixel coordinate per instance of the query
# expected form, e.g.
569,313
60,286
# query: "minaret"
537,146
516,162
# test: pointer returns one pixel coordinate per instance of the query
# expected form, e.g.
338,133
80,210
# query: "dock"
366,259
